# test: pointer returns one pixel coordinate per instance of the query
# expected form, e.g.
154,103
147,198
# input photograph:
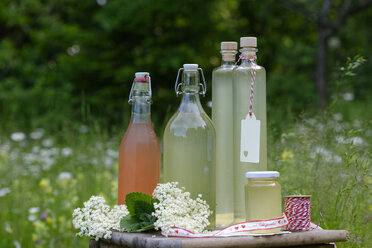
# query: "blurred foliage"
67,62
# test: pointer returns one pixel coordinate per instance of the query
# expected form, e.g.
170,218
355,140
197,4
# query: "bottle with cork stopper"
139,154
222,116
249,118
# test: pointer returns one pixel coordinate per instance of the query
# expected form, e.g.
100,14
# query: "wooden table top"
315,238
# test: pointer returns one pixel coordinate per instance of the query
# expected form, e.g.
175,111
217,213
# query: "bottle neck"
248,53
190,102
228,57
190,82
141,101
141,109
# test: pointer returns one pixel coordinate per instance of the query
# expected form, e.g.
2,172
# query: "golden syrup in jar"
263,197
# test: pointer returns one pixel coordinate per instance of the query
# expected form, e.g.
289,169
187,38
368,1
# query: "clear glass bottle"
263,197
139,154
222,116
189,142
250,144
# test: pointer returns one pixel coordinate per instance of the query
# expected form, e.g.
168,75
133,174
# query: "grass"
45,176
330,159
46,179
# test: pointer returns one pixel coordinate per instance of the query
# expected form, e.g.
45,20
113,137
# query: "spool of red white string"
298,211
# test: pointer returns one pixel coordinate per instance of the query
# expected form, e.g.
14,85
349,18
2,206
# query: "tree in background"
67,62
328,16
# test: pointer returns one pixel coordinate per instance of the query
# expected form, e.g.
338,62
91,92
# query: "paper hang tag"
250,140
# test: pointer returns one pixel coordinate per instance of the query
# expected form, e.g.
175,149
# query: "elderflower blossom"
97,219
177,209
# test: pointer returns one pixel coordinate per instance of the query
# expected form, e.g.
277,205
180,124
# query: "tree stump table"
308,239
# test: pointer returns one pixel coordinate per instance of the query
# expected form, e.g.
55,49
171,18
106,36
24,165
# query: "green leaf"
132,201
141,208
146,227
133,224
147,218
130,223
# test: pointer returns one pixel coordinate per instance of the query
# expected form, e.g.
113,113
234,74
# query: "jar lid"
262,174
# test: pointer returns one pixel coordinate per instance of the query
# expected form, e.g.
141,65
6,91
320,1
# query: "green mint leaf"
147,218
130,223
133,224
141,207
131,200
146,227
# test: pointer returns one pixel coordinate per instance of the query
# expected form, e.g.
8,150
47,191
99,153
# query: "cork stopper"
248,42
229,45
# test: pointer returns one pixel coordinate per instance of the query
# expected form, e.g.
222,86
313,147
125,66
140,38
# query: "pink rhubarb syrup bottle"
139,154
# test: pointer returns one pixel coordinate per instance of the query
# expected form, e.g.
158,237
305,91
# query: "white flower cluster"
177,209
97,219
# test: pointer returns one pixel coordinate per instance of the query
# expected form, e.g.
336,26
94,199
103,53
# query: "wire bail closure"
178,85
148,98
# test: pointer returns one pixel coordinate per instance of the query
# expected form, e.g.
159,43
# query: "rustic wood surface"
309,239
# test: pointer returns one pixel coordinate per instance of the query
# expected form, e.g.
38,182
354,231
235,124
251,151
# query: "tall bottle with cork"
189,141
222,116
249,115
139,154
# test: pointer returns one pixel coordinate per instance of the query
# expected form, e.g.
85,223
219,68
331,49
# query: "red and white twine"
252,60
298,210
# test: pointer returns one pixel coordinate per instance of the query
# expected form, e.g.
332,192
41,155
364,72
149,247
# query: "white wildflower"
177,209
341,139
108,161
326,154
348,96
67,151
97,219
112,153
8,228
33,210
356,140
47,142
64,176
101,2
337,117
37,134
31,218
17,244
4,191
18,136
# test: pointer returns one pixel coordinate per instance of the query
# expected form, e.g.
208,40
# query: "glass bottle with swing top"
222,116
139,154
189,141
249,116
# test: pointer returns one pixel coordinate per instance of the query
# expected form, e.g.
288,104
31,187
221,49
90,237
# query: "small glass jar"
263,197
